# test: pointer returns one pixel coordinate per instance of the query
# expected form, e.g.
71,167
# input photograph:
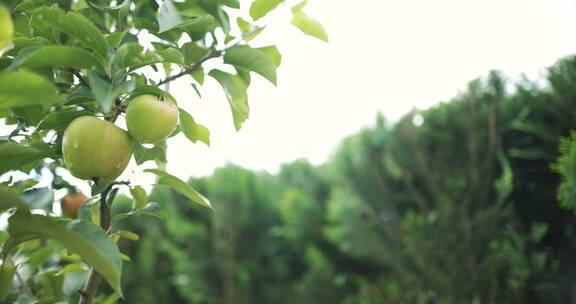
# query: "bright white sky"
383,55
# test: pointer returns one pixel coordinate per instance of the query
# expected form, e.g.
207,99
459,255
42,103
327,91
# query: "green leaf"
160,45
44,29
75,25
21,24
57,56
190,8
105,93
193,53
115,39
129,235
39,256
244,25
6,275
21,43
169,18
260,8
218,12
192,130
195,26
24,298
88,207
152,90
272,53
10,199
123,3
30,114
29,5
177,184
175,132
232,3
102,90
19,186
60,120
198,25
244,74
172,55
25,88
253,60
143,154
79,94
235,90
140,196
196,90
298,7
52,284
134,56
3,236
152,209
198,75
306,25
249,31
39,198
14,155
72,268
80,236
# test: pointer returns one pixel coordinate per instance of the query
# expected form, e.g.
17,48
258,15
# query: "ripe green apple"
71,204
151,120
6,27
95,148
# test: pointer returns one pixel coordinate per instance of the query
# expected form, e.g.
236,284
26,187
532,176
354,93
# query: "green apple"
71,203
95,148
151,120
6,27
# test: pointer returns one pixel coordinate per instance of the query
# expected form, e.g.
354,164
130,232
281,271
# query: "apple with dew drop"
96,149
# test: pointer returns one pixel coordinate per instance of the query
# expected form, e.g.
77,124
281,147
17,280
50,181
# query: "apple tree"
69,69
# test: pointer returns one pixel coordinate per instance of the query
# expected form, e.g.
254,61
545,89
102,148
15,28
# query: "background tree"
467,202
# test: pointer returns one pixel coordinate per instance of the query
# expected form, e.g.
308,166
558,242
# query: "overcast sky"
384,56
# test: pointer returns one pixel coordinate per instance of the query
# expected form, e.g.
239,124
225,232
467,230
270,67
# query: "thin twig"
89,291
80,78
193,68
22,281
167,84
127,183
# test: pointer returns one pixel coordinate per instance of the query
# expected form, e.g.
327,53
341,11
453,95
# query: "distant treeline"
471,201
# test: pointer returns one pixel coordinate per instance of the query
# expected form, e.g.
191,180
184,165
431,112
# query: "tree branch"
89,291
193,68
80,78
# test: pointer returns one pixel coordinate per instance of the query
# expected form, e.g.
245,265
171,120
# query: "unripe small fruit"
6,27
71,204
95,148
151,120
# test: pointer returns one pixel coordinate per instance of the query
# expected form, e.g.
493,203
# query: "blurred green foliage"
471,201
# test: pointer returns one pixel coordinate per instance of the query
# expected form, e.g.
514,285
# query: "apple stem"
89,291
